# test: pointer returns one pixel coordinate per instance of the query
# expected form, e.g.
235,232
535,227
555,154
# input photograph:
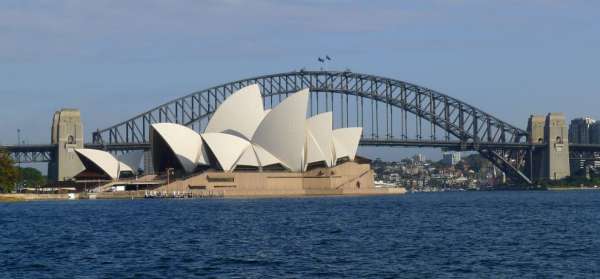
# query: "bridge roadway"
37,153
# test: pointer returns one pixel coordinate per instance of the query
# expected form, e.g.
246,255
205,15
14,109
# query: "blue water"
472,234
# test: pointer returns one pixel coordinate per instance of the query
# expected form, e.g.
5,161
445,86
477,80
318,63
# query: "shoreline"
571,188
11,198
141,195
8,199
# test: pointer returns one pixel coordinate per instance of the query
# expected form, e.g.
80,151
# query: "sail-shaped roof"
185,143
282,131
226,148
319,138
345,142
312,151
240,114
265,158
248,158
102,159
256,156
242,133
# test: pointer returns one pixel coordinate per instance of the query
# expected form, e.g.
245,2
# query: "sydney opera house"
246,150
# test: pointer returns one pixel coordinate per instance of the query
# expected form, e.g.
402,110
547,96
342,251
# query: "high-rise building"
420,158
579,130
451,158
595,133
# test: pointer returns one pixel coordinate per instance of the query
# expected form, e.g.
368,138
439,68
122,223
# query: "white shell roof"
226,148
104,160
312,151
184,142
248,158
282,131
345,142
125,167
256,156
265,158
240,114
241,132
319,138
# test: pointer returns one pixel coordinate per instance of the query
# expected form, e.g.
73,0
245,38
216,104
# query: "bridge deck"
44,152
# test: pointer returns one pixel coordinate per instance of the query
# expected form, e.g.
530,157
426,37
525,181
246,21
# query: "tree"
462,166
8,173
476,162
31,177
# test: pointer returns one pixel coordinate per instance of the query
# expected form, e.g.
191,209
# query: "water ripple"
454,235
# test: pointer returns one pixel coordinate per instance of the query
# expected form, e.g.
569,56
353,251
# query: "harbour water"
462,234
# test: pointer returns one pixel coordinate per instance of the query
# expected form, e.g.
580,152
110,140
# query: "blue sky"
113,59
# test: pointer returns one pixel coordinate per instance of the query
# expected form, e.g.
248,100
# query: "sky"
116,58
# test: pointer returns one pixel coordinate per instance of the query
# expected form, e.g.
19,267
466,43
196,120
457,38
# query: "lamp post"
169,170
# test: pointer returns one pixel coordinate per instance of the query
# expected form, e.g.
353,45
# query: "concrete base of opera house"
349,178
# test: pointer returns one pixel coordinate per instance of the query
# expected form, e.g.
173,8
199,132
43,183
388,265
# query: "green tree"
462,166
476,162
8,173
31,177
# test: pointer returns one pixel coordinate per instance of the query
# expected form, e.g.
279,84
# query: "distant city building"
451,158
420,158
580,130
394,177
595,133
597,163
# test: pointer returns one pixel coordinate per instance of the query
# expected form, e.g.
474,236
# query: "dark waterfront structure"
392,113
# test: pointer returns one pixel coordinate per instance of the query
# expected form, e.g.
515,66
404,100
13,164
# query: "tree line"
10,175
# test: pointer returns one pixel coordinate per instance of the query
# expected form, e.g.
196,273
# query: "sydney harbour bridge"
392,113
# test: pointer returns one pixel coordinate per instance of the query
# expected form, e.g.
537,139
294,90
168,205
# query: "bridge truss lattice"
391,112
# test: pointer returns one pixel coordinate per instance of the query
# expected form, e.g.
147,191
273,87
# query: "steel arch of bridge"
352,97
